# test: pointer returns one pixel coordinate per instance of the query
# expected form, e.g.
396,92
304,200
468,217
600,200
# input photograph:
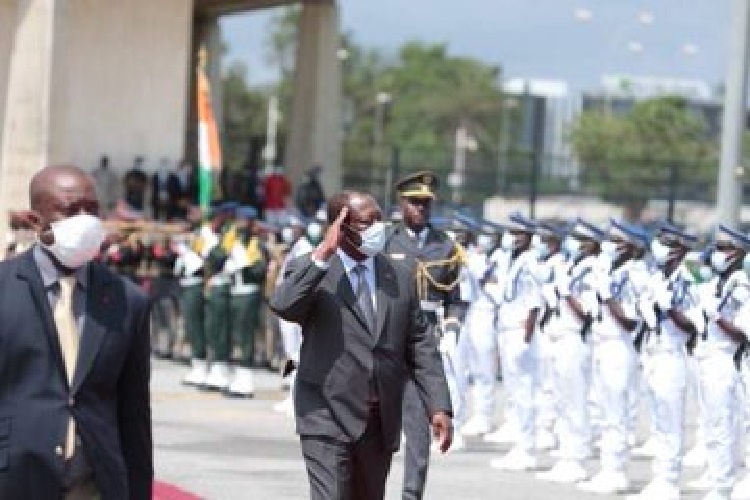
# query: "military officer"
570,305
247,265
728,293
520,302
619,292
671,310
437,261
478,342
217,294
297,244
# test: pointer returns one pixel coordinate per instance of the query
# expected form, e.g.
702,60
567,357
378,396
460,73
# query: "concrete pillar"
34,121
728,196
315,128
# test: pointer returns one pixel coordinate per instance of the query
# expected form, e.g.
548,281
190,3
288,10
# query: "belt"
245,289
430,305
191,281
218,281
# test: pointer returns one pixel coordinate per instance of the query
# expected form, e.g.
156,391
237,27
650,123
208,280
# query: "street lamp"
464,143
384,100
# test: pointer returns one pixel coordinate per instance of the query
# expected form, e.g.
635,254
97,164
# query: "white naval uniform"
720,383
478,342
665,368
571,363
615,361
520,294
291,333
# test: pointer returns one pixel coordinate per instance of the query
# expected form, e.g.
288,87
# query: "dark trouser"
245,321
217,321
192,304
416,426
348,471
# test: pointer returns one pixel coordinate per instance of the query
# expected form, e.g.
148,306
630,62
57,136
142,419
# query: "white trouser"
291,338
546,397
720,392
615,368
695,394
520,374
665,373
571,372
451,367
478,357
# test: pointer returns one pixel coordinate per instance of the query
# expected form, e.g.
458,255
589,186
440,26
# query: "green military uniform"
436,260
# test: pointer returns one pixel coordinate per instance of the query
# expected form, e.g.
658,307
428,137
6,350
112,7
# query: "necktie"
364,297
67,332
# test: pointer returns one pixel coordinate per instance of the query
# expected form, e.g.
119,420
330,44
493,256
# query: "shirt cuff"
321,264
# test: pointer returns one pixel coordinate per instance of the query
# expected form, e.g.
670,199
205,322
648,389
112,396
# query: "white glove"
449,340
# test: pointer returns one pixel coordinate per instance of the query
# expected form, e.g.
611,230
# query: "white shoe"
717,496
647,449
545,440
658,489
741,490
198,373
242,385
476,426
218,377
564,471
606,483
505,434
705,482
515,460
696,457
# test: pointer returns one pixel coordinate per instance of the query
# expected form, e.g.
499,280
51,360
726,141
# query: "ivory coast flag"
209,148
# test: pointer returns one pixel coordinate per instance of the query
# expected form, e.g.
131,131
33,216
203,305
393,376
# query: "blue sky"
533,38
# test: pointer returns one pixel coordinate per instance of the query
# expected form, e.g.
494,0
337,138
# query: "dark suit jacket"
109,396
339,354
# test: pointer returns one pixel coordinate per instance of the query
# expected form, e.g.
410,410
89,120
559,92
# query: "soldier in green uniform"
247,265
217,294
437,261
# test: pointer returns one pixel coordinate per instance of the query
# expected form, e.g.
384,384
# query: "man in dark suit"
75,417
363,335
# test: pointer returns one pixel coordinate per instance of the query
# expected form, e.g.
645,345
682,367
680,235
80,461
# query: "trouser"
416,427
348,471
520,374
546,396
244,322
720,392
217,321
615,368
571,372
695,394
665,373
478,353
192,305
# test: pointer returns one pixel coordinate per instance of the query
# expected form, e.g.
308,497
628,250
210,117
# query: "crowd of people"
583,325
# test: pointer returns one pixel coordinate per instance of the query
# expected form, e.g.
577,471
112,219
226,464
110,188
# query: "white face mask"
508,241
572,247
484,242
610,251
540,248
660,252
78,240
720,261
373,239
314,232
287,235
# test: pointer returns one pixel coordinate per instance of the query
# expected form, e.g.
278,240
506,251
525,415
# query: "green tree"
244,115
659,149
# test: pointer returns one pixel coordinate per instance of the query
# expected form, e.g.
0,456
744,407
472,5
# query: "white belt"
218,280
191,281
430,305
245,289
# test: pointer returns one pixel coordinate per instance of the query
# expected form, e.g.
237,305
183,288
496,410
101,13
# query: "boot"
242,385
218,376
198,373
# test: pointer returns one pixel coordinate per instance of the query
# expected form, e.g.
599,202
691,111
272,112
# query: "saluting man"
437,261
247,265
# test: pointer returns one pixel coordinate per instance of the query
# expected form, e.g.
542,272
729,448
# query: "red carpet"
164,491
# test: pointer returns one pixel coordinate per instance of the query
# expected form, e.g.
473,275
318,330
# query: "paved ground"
230,449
